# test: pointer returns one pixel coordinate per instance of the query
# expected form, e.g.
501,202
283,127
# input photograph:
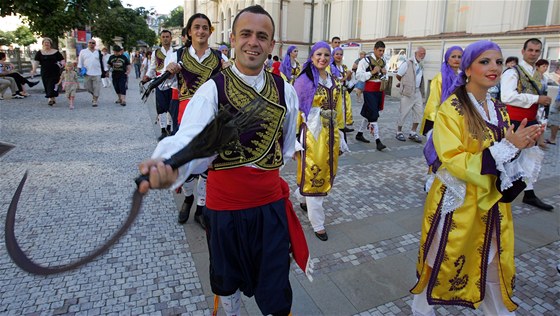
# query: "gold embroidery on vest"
202,70
266,151
160,60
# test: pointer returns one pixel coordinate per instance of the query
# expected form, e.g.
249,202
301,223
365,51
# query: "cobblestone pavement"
81,164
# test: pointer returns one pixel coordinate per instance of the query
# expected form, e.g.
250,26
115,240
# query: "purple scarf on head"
469,55
286,66
447,74
334,70
306,87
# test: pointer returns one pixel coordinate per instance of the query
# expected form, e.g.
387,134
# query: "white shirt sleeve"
151,73
361,73
402,69
509,94
290,122
201,110
81,59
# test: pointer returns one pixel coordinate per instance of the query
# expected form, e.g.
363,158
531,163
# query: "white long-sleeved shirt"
508,88
202,109
361,73
90,60
170,56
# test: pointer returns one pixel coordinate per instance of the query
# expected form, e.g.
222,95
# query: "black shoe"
347,130
185,209
200,220
32,84
536,202
303,207
360,137
380,145
323,236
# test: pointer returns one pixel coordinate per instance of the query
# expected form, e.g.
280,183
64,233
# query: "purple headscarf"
469,55
223,47
306,87
286,66
447,74
334,70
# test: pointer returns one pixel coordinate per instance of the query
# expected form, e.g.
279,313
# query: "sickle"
26,264
219,134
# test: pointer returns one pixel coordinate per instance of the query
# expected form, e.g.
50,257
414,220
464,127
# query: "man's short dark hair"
2,55
541,62
335,38
165,31
275,58
535,41
512,58
379,44
256,9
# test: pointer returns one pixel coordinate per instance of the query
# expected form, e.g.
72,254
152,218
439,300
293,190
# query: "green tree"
129,24
52,18
175,18
24,36
7,38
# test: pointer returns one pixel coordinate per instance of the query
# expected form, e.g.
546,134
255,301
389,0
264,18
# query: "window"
456,16
544,12
396,27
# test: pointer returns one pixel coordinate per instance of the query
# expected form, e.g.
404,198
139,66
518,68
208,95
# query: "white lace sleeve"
526,166
454,196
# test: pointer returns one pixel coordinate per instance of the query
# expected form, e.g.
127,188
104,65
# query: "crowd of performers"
479,160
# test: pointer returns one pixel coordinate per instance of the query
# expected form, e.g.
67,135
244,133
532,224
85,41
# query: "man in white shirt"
411,76
521,92
90,61
245,214
161,57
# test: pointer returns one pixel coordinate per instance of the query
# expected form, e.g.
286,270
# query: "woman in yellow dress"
441,85
319,137
466,248
290,68
340,71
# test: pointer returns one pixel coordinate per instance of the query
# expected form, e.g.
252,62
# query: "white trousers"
188,189
365,125
315,210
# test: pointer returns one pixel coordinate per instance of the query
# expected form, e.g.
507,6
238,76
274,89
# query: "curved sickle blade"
26,264
5,147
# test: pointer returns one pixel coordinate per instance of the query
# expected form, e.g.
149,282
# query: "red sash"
518,114
174,94
372,86
246,187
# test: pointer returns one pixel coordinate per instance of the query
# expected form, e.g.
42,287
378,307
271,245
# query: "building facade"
401,24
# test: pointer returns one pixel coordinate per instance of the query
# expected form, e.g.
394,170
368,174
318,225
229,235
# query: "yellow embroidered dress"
320,138
465,225
432,105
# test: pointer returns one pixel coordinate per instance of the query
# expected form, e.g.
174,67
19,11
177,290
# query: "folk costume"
520,91
466,254
439,91
339,71
290,69
319,137
374,97
159,61
249,219
194,72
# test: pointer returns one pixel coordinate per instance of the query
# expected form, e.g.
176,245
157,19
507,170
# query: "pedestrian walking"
120,68
69,82
52,62
90,62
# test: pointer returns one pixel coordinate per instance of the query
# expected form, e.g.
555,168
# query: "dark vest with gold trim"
525,84
263,145
160,61
194,74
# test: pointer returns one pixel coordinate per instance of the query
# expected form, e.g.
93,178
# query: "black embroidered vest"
194,74
263,146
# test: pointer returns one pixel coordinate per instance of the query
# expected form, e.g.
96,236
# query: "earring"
468,79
